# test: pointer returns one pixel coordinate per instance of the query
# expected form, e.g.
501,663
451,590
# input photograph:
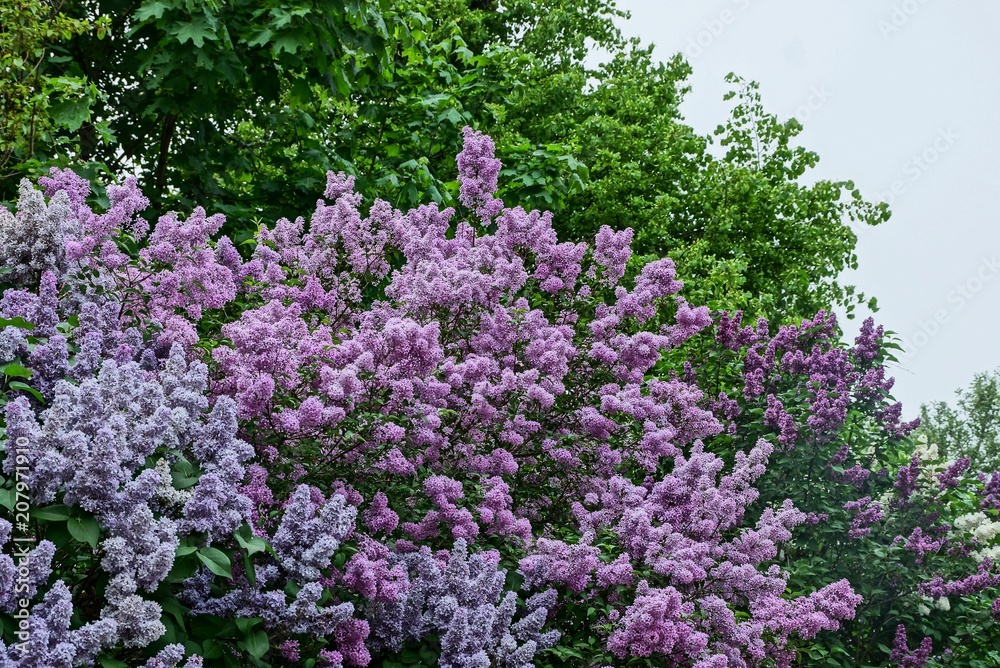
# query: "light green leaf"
84,529
15,369
216,561
251,544
18,322
257,644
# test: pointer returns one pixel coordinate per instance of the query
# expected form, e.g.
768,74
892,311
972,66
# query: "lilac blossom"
33,240
310,533
904,657
89,448
52,642
464,601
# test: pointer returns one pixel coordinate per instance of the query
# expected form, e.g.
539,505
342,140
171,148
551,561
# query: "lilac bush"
895,520
91,449
442,437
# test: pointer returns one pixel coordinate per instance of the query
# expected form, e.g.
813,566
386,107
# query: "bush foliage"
440,436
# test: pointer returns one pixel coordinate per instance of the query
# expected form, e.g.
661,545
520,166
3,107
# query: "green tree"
243,106
33,104
184,87
750,225
746,228
970,428
246,105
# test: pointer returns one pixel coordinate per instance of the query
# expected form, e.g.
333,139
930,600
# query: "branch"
169,125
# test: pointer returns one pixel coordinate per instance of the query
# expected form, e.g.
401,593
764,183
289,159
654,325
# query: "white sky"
904,92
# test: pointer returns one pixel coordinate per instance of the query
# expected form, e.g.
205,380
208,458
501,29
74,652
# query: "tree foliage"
969,428
244,106
35,102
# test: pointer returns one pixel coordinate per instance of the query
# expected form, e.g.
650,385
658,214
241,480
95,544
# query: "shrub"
437,437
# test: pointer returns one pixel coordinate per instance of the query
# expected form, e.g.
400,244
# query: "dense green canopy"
245,105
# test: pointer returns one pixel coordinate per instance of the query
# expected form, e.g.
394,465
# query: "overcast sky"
894,94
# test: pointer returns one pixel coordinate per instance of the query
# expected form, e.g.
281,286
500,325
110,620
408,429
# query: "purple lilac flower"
308,535
463,601
904,657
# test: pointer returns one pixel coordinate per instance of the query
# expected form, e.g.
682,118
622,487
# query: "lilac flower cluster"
829,406
89,450
364,432
461,597
52,642
904,657
33,240
676,530
308,536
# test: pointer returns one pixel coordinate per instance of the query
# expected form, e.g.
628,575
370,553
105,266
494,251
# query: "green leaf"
211,649
181,481
196,32
84,529
248,569
428,655
151,10
453,115
289,43
261,38
16,370
109,662
252,544
257,644
340,81
209,627
59,535
409,656
244,624
173,607
18,385
71,114
51,513
171,633
217,561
